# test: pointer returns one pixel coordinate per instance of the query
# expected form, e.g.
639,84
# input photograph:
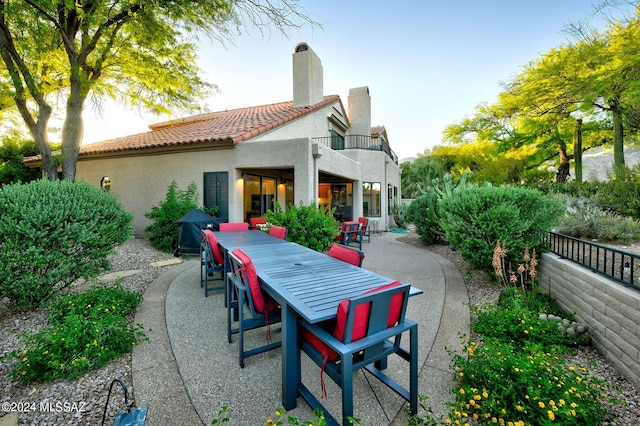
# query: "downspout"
316,152
386,187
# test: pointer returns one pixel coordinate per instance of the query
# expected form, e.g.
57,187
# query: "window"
216,192
259,194
337,141
371,199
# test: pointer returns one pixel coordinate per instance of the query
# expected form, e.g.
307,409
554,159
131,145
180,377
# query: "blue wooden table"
305,283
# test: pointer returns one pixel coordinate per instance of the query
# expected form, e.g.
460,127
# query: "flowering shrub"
502,383
85,332
516,376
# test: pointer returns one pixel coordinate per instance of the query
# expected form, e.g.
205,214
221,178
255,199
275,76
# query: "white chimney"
307,77
360,111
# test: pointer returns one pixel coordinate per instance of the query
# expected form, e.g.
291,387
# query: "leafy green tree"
12,152
141,52
418,174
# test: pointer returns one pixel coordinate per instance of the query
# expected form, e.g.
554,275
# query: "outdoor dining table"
308,284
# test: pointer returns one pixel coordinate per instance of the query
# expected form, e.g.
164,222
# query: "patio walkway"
187,371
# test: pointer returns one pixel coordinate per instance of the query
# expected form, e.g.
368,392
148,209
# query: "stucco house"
306,150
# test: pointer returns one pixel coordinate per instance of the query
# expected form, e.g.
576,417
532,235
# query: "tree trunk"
618,137
72,130
72,133
563,169
577,149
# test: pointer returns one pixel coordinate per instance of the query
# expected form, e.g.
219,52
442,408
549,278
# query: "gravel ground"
81,402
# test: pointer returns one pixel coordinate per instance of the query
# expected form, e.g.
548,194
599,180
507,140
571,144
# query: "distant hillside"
597,163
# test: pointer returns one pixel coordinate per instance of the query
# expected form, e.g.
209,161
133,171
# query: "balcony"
357,142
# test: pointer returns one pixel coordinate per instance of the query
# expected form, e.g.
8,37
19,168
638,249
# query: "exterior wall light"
105,183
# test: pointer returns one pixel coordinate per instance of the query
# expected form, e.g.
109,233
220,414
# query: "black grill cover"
189,227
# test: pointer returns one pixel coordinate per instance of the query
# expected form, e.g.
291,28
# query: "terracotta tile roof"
216,128
379,131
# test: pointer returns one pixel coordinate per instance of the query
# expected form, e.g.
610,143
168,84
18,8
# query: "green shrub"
513,321
423,213
163,232
310,226
621,194
475,219
85,331
52,233
587,221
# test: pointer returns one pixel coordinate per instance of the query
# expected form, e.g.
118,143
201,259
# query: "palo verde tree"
139,51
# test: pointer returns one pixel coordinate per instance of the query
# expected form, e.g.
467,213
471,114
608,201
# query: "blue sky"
427,63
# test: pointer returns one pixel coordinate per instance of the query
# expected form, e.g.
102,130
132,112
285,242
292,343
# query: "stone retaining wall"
611,310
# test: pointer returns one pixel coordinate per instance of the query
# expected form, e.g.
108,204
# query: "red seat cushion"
261,302
215,248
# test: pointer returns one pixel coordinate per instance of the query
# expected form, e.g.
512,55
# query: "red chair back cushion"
364,222
278,232
345,254
252,278
234,226
215,248
360,321
255,221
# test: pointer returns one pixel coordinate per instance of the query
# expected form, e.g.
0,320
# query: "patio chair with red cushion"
234,226
211,261
255,221
367,329
346,254
278,232
254,307
364,228
350,233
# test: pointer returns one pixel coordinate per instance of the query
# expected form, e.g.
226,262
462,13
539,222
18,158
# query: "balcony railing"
614,264
357,142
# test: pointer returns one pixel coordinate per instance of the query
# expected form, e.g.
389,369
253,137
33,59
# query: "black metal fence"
358,142
617,265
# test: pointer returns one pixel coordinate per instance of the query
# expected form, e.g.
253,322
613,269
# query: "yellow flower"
461,374
561,402
552,403
477,397
485,394
461,391
551,415
574,405
541,404
494,420
270,422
